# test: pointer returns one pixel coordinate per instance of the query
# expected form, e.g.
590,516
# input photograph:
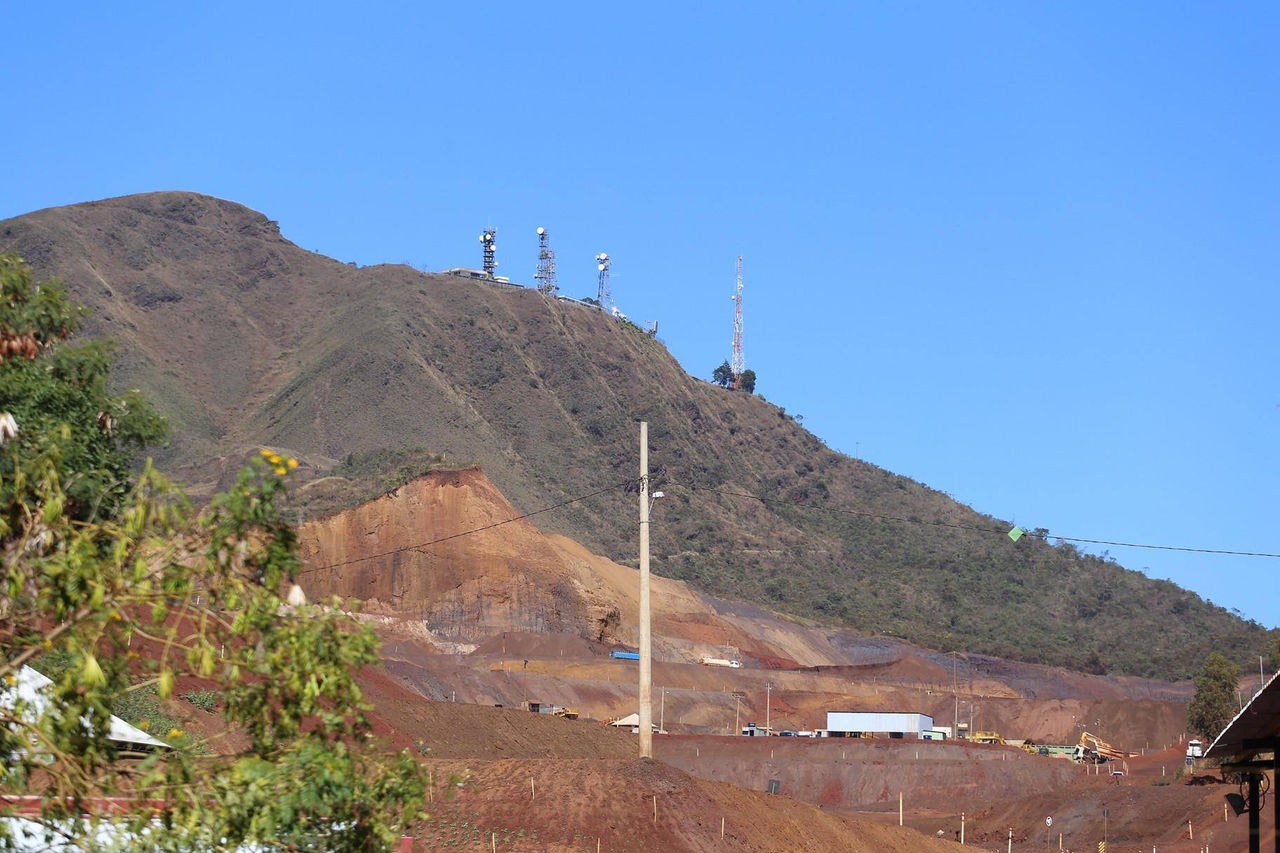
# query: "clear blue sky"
1025,253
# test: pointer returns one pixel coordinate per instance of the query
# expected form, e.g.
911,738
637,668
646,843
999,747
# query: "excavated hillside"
371,376
533,630
478,608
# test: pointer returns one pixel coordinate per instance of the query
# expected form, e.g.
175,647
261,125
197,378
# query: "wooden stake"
655,808
721,830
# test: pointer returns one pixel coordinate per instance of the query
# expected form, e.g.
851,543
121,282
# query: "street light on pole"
662,712
768,697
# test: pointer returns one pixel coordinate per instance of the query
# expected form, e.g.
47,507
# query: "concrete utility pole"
646,640
768,702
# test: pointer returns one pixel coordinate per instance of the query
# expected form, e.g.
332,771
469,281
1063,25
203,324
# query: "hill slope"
247,340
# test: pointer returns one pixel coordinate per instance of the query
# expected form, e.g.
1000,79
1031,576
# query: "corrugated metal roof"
31,689
1257,724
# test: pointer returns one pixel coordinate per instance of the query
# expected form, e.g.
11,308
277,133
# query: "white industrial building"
855,723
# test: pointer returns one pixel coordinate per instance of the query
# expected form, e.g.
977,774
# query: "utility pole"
662,714
768,701
955,692
646,640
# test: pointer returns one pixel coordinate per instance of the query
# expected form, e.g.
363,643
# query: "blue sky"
1024,253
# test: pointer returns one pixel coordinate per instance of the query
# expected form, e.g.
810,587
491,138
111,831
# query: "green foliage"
723,375
141,707
124,592
748,381
1214,703
205,700
1273,653
56,393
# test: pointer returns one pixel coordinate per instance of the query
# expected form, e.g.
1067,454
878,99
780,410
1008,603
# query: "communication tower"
739,362
546,274
602,289
487,240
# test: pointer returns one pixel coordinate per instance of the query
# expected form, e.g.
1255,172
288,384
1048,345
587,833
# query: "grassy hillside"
372,375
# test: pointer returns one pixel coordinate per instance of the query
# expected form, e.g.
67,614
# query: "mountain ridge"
373,375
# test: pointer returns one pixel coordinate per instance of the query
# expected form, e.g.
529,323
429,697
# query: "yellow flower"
145,724
266,454
293,463
281,470
175,732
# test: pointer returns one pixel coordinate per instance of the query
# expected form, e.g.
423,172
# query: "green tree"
723,375
1273,653
130,589
747,382
55,395
1214,703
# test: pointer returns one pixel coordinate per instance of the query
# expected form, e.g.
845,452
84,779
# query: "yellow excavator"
1094,750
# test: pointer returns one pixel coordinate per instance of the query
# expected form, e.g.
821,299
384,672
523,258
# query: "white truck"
736,664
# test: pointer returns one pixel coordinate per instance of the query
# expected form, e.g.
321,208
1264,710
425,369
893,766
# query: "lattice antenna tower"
488,241
739,363
603,296
546,274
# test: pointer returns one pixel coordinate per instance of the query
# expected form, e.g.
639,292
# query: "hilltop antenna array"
487,240
602,288
739,361
546,274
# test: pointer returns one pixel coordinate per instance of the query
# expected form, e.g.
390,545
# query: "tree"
1273,653
723,375
126,588
55,394
1214,703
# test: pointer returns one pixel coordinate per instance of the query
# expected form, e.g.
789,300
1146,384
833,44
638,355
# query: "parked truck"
623,654
736,664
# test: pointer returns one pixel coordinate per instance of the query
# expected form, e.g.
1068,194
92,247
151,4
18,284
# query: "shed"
1250,744
894,724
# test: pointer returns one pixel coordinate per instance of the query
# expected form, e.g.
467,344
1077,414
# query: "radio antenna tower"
739,362
603,296
546,274
487,241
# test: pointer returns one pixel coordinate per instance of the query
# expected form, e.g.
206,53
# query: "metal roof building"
1250,744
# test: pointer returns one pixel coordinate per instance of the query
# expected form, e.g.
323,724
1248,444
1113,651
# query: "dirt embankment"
524,617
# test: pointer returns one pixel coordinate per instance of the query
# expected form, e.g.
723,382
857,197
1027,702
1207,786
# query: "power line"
977,529
428,544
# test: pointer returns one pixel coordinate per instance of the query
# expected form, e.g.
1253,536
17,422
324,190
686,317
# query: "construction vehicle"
987,738
736,664
1094,750
1048,749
